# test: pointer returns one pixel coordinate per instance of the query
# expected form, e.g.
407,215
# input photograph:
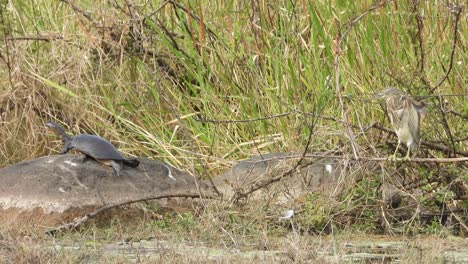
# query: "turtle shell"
96,147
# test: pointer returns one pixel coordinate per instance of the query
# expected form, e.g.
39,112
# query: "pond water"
374,250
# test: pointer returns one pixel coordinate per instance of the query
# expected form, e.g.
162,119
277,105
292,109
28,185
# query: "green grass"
255,63
145,84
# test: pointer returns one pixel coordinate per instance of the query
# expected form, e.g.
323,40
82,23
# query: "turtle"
95,147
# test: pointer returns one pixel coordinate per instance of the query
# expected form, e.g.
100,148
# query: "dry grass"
143,73
99,245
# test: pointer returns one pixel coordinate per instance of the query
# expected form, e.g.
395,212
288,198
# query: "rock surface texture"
318,175
60,182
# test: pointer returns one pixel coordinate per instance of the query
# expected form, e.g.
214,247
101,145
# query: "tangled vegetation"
202,84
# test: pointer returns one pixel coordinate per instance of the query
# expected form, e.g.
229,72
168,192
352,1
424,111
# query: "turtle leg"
66,148
85,158
117,165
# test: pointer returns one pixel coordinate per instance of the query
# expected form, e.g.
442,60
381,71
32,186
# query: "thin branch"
430,145
456,140
458,114
350,158
378,126
444,95
424,143
79,10
263,184
257,186
185,10
161,6
6,32
419,33
36,38
456,10
244,120
336,61
445,123
260,185
78,222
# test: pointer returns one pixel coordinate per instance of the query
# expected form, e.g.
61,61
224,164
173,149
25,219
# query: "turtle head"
58,130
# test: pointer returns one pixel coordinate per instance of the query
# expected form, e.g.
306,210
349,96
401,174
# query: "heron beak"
377,96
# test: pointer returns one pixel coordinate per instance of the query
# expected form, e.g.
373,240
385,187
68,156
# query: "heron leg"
117,166
407,157
394,157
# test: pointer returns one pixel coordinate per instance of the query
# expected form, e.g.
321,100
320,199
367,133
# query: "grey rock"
316,174
59,182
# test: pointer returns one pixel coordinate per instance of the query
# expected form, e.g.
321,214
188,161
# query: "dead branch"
336,63
458,114
420,25
456,10
445,124
46,38
444,95
244,120
79,10
460,220
350,158
78,222
257,186
430,145
187,11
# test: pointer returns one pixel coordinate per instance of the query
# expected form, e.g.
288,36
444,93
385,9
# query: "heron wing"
396,109
422,111
418,112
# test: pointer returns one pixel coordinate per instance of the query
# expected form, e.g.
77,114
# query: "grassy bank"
202,84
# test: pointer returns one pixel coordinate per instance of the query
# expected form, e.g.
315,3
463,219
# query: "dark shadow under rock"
60,182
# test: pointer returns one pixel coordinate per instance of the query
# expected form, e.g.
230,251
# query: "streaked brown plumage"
406,116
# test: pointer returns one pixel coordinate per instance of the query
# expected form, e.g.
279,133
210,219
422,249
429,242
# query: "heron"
406,116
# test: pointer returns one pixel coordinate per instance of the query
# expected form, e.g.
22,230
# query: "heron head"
388,92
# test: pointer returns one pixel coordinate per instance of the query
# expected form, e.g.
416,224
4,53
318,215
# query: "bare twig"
346,157
78,222
444,95
260,185
257,186
424,143
378,126
419,33
445,124
456,140
336,64
185,10
244,120
6,32
161,6
460,220
458,114
79,10
47,38
456,10
428,144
